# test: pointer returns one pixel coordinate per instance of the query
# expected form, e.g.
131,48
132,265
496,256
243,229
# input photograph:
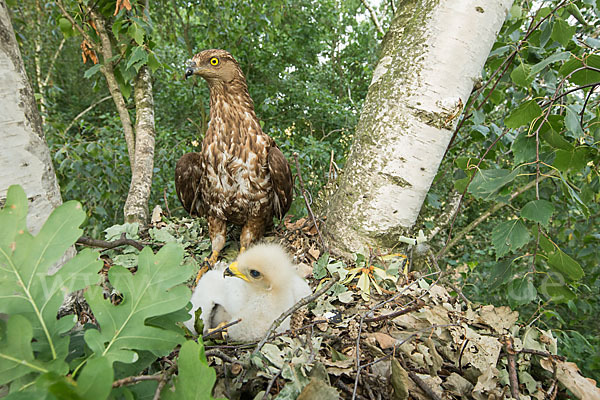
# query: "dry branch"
122,241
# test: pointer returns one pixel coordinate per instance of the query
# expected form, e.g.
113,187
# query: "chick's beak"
233,270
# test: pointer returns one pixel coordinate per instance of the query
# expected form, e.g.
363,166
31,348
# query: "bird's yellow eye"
214,61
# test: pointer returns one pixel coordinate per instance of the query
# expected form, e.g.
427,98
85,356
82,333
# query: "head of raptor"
216,66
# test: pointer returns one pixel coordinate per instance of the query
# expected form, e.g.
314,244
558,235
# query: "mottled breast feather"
243,172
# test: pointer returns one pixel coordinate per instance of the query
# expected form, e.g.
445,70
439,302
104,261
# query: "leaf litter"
381,332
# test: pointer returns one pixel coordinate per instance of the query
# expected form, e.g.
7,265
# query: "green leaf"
550,132
509,236
583,77
574,159
521,291
572,194
575,12
16,354
562,32
320,269
487,182
572,123
538,211
25,286
65,25
136,33
91,71
153,62
154,290
138,57
95,380
558,292
562,263
195,379
523,115
521,75
523,149
550,60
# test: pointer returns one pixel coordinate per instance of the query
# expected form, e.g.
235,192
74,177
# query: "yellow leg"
207,264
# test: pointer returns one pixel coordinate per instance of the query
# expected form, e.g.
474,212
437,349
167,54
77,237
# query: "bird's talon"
205,267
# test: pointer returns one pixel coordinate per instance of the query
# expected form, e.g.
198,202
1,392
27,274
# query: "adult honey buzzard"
240,176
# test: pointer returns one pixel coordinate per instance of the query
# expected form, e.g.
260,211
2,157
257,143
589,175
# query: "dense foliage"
41,356
531,128
527,148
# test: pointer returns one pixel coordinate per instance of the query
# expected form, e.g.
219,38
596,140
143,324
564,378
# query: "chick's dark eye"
254,273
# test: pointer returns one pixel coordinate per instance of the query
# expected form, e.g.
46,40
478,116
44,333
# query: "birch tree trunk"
136,205
24,155
431,57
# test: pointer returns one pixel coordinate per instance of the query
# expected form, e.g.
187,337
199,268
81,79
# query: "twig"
587,98
122,241
421,383
542,353
376,306
163,381
373,17
270,385
485,216
512,367
221,355
348,390
396,313
130,380
447,215
221,329
307,203
368,387
303,301
81,114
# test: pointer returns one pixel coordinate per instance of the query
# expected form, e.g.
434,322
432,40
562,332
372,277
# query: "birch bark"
431,57
25,158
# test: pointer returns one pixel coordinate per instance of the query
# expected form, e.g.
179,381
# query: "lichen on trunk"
430,58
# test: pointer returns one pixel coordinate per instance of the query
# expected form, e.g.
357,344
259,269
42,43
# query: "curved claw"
207,264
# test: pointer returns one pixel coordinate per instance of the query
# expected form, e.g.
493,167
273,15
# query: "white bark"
24,155
431,57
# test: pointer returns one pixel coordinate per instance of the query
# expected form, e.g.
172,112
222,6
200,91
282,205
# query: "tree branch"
87,110
113,86
122,241
485,216
373,17
54,58
130,380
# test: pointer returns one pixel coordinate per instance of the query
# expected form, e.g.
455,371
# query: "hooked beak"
191,68
233,270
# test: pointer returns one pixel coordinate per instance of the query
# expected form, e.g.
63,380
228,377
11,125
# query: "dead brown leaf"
384,340
122,4
569,376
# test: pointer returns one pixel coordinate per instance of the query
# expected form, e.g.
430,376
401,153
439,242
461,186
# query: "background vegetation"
308,64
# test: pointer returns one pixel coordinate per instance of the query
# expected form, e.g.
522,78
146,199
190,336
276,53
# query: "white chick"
261,285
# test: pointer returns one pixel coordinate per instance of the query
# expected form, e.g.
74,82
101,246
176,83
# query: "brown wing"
188,172
281,178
